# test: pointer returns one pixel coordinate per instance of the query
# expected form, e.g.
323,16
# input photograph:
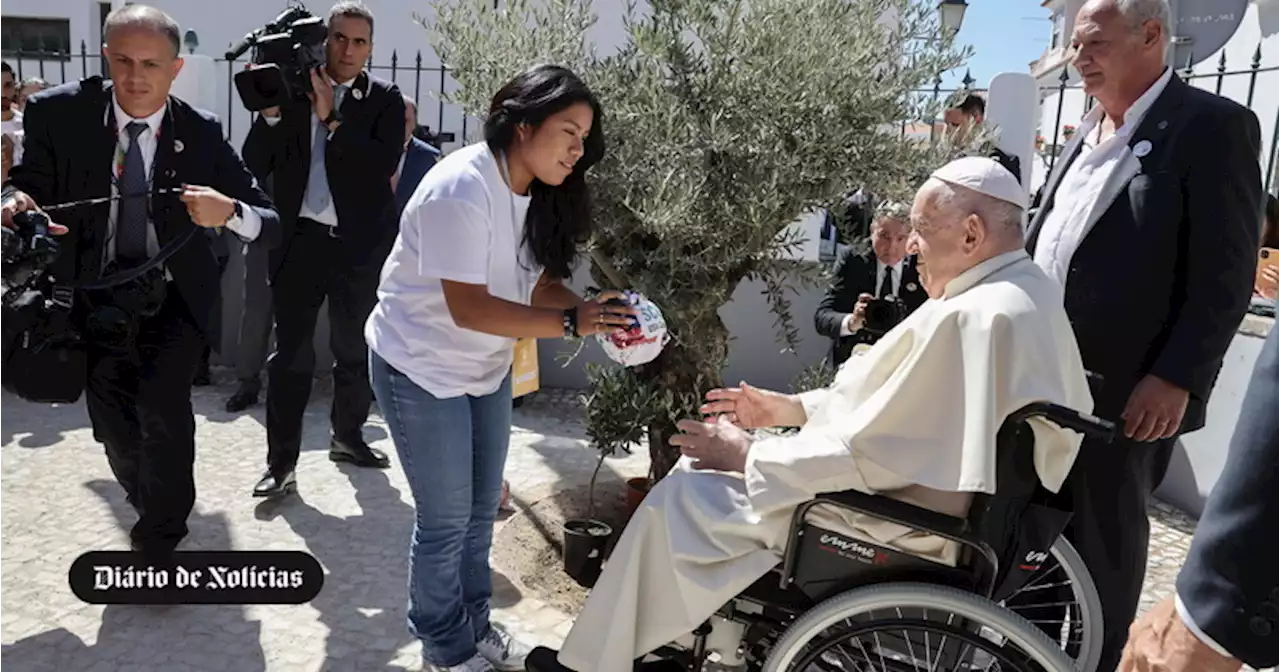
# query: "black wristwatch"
570,322
332,118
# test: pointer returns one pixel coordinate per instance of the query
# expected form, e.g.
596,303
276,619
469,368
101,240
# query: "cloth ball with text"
643,341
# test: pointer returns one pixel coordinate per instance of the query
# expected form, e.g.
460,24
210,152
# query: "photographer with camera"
874,288
134,177
331,155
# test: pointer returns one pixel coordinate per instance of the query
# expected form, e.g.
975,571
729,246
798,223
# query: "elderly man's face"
889,239
1109,52
943,239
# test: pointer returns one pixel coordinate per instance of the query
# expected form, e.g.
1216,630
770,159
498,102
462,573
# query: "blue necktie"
131,223
318,181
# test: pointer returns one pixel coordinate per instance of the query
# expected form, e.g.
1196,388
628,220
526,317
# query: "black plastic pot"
584,545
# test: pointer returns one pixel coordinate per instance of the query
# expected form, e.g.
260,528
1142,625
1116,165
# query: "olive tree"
725,120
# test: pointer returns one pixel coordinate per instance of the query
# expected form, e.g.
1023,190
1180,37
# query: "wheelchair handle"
1068,418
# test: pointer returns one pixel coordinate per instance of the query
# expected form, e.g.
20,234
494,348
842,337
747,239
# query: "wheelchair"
840,604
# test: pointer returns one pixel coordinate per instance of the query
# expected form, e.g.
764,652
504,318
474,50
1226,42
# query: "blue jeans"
453,451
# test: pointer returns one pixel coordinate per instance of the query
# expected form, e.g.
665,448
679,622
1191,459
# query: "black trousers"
317,267
139,401
1110,487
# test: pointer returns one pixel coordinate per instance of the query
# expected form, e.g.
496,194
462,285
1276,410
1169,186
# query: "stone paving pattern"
59,500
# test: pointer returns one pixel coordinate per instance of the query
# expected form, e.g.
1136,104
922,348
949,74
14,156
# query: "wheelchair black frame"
931,522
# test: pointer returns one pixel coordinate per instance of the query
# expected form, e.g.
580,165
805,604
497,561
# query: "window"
1057,31
25,35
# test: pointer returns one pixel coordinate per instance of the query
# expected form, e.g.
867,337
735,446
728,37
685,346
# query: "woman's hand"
596,316
1267,282
753,408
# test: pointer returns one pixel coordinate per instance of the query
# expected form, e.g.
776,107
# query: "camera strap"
131,274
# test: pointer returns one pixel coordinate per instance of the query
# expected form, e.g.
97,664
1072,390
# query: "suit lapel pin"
178,146
1162,125
357,94
911,287
1142,149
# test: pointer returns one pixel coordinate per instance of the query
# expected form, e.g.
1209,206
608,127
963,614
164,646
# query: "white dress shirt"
328,216
248,226
1067,223
846,326
13,129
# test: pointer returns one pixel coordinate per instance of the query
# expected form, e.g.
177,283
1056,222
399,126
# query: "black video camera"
285,52
881,315
29,248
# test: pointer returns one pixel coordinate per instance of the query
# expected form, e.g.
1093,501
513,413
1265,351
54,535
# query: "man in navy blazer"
1224,610
417,159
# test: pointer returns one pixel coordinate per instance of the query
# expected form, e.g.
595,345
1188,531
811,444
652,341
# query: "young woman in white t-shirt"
485,243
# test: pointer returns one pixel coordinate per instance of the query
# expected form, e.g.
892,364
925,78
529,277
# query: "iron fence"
1218,76
414,79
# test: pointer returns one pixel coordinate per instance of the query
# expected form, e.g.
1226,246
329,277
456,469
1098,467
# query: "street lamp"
190,41
952,13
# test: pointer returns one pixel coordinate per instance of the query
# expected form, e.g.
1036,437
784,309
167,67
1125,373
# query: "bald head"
955,228
1119,49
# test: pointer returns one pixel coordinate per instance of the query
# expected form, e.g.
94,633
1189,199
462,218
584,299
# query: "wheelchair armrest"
899,512
1068,418
894,511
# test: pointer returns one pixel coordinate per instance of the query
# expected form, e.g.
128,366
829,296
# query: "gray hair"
352,9
894,210
1002,217
1138,12
144,18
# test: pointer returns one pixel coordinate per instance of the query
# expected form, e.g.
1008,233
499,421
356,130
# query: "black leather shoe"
245,396
276,486
358,453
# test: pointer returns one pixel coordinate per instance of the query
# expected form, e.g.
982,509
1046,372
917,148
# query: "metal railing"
1219,76
414,79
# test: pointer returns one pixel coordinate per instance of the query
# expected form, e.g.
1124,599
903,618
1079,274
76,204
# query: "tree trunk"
688,372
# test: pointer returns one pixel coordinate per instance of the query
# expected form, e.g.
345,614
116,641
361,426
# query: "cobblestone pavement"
59,500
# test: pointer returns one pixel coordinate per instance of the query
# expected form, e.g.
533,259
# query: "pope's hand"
718,445
1161,642
753,408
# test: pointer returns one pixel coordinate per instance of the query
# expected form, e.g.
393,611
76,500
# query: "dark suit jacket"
67,156
1228,583
855,273
360,159
1161,281
419,158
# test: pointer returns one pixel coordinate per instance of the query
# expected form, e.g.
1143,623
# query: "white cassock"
914,418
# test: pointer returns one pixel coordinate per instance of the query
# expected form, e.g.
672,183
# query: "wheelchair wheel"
913,626
1062,600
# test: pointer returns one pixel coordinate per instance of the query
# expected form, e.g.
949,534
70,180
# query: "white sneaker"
475,663
504,652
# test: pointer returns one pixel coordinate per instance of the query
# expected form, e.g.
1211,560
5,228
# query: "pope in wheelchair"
913,420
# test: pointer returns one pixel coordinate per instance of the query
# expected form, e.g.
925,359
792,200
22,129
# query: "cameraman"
137,384
881,273
331,160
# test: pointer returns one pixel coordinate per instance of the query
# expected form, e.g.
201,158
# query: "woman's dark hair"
559,219
1270,225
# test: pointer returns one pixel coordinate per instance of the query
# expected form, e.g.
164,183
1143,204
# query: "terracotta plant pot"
637,489
584,546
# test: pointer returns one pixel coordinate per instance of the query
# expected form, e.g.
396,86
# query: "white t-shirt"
462,224
13,129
